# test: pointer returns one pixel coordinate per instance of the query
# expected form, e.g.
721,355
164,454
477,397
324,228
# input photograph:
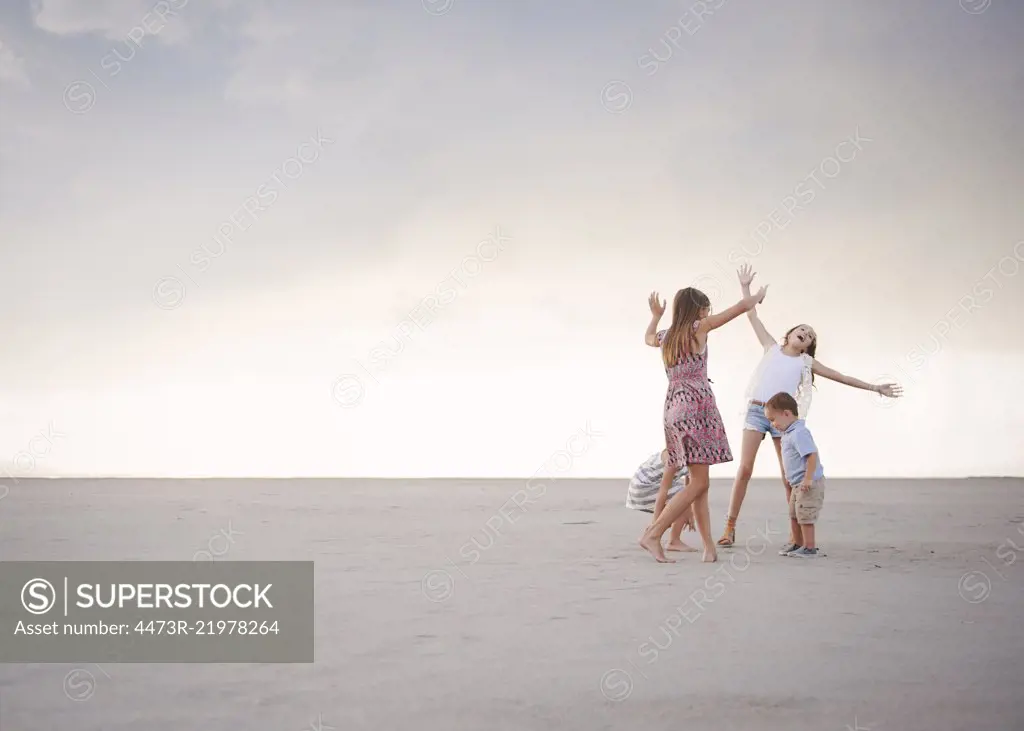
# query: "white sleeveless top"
779,372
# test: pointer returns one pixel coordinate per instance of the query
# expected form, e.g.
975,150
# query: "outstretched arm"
892,390
651,336
715,321
763,336
746,276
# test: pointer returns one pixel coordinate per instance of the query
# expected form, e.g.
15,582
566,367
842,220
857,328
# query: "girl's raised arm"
892,390
657,306
760,330
715,321
746,275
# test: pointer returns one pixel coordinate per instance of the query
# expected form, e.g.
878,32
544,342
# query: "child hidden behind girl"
643,495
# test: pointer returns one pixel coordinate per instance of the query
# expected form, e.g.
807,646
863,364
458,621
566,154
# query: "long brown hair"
679,339
811,349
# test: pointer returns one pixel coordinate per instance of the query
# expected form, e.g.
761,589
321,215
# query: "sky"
311,238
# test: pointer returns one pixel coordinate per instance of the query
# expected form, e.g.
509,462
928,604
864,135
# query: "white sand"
878,631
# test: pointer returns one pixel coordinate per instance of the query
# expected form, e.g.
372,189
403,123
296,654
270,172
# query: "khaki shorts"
804,505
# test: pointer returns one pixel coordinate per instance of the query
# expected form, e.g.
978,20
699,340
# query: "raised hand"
761,293
746,275
892,390
656,304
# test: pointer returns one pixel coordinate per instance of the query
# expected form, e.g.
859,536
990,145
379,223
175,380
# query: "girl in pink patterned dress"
694,433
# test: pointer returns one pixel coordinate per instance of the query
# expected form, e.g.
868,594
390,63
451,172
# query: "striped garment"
643,488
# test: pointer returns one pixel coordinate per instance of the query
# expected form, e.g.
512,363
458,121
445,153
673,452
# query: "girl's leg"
651,542
659,502
675,541
666,483
677,532
702,514
794,527
748,453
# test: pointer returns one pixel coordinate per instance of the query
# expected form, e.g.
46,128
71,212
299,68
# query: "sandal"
729,537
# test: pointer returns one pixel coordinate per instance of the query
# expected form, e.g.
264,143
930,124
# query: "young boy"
643,494
803,472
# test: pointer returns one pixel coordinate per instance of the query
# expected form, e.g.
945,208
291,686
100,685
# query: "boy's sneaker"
805,552
789,548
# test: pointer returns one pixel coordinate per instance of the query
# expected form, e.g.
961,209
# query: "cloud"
12,68
316,56
113,19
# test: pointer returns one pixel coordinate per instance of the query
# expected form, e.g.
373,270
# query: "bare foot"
710,555
680,546
653,546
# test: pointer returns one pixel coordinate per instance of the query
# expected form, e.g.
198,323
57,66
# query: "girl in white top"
787,366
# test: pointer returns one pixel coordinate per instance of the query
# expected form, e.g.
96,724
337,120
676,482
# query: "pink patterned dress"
694,432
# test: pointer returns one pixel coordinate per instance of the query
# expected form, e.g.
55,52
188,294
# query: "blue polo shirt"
797,443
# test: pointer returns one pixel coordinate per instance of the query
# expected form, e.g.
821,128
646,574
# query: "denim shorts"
757,421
